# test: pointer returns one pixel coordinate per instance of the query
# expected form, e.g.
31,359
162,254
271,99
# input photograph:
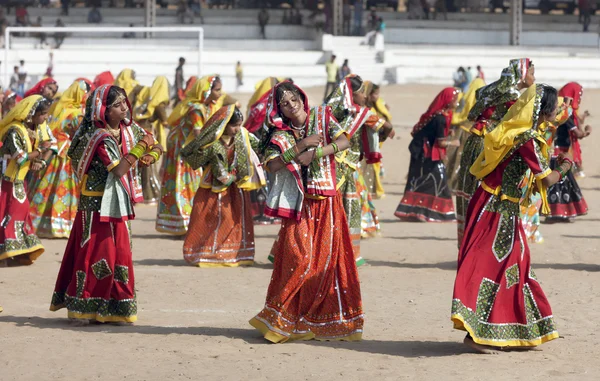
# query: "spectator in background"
59,38
129,34
14,79
94,17
416,9
358,17
263,20
480,73
41,36
296,16
50,67
331,68
3,25
44,3
286,17
21,16
184,12
585,12
373,19
460,79
426,8
179,78
344,70
23,79
239,75
468,76
347,16
440,7
65,7
196,8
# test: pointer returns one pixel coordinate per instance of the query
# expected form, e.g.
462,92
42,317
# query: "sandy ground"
193,323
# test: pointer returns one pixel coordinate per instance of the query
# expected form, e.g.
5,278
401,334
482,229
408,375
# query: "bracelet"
565,159
318,153
335,148
158,148
39,150
143,142
288,155
137,152
296,149
155,155
44,163
126,157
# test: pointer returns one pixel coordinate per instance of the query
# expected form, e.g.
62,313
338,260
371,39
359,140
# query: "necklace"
299,130
116,133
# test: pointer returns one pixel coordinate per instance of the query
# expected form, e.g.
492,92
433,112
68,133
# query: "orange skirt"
314,291
221,232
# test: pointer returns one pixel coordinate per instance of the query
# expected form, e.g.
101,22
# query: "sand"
193,323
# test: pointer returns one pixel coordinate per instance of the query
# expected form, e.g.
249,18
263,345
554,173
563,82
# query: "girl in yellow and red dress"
22,150
221,231
96,280
427,197
497,298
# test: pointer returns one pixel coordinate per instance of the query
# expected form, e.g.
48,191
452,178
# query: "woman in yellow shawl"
54,193
180,181
126,80
22,150
221,230
462,128
150,112
497,298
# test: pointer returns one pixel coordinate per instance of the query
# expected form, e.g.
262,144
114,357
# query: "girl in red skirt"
96,281
314,291
221,232
22,149
497,298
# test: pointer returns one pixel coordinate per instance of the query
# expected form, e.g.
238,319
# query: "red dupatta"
37,89
574,90
258,112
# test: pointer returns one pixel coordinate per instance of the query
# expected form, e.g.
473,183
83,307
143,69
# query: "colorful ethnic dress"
18,241
565,197
362,127
96,279
179,181
427,197
54,192
575,91
497,297
492,103
257,111
314,290
221,232
150,113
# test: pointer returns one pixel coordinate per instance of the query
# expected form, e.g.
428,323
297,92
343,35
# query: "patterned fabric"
221,230
575,91
439,106
180,181
314,291
494,274
427,196
96,280
18,240
126,80
565,198
369,220
54,193
503,90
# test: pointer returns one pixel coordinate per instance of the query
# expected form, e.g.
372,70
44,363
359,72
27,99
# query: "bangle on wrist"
318,153
126,157
335,148
154,155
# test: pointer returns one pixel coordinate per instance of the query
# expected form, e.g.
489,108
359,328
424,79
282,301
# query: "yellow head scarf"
149,99
520,118
261,88
469,99
126,81
72,98
197,94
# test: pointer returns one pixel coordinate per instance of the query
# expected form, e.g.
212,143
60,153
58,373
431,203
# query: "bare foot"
79,322
483,349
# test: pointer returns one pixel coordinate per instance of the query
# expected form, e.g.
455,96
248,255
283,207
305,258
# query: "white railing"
198,31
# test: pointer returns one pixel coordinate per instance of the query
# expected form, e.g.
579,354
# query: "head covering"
157,94
262,88
440,105
104,78
275,119
11,94
126,81
573,90
37,89
341,99
469,99
199,93
188,86
89,83
503,90
91,133
72,98
245,161
522,117
379,107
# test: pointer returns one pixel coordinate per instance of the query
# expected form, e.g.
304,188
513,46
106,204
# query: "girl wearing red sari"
96,280
565,197
47,88
497,297
314,291
221,232
427,197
